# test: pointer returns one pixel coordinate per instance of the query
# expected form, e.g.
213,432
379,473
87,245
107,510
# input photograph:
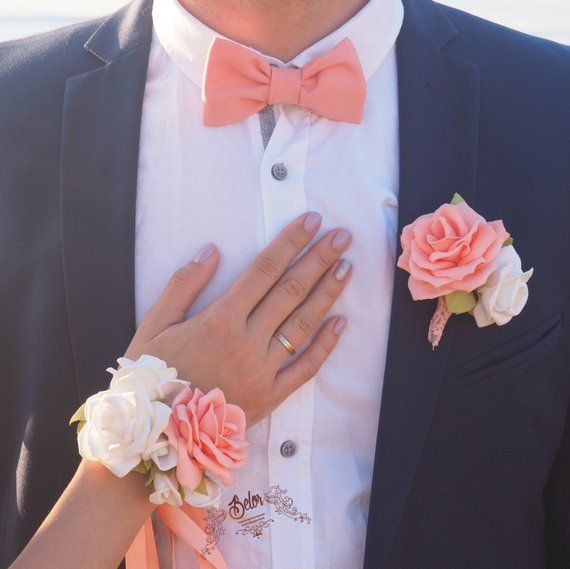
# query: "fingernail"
312,221
339,325
206,253
341,239
342,269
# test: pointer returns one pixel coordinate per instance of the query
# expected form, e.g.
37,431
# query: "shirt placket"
291,424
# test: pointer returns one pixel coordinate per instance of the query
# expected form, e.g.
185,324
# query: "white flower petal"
162,454
83,444
166,491
505,293
166,461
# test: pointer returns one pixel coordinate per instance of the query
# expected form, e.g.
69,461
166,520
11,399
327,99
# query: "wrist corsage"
183,441
467,263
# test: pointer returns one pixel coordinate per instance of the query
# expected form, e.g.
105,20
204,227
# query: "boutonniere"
468,263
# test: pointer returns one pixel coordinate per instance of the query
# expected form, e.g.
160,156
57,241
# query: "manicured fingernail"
342,269
206,253
312,221
341,239
340,325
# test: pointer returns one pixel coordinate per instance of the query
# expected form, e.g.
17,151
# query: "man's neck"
279,28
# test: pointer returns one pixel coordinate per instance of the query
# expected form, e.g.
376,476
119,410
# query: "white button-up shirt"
198,184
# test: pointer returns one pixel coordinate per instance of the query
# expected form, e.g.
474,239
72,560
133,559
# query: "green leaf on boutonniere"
201,488
79,415
459,301
508,242
182,492
457,199
80,426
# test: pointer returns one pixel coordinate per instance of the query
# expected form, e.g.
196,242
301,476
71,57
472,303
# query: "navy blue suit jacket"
472,467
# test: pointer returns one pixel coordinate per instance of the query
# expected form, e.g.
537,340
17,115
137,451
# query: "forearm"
92,524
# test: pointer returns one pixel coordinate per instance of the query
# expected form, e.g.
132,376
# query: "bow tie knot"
284,86
239,82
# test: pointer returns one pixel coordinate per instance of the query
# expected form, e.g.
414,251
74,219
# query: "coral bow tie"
239,83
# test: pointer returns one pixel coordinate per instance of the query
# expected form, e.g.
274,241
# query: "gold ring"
285,343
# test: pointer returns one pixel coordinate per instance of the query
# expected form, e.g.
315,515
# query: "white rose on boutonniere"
120,427
505,293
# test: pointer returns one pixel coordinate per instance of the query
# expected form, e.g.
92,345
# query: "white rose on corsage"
166,490
505,292
120,427
124,426
160,381
161,453
207,495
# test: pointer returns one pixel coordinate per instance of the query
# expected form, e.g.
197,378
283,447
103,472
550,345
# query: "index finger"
266,269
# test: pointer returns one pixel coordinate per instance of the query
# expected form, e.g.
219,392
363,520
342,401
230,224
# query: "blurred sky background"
546,18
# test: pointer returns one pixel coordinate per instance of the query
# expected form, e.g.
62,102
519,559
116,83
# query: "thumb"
182,290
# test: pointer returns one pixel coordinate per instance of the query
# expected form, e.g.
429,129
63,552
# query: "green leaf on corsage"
457,199
80,426
150,478
201,488
459,301
79,415
508,242
141,467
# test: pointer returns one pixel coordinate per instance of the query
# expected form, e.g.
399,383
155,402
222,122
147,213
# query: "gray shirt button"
288,448
279,171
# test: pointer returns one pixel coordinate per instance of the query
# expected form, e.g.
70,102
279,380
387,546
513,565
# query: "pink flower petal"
209,424
214,452
188,473
212,466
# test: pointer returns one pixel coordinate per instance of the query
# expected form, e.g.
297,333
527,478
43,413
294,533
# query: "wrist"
97,479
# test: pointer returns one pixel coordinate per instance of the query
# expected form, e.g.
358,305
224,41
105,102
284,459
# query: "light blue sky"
547,18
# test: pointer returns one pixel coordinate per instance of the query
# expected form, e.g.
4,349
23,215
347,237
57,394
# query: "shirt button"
288,448
279,171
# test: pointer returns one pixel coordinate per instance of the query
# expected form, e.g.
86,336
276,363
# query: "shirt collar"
373,31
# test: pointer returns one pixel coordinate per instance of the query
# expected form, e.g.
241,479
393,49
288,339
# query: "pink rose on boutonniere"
451,255
208,435
451,249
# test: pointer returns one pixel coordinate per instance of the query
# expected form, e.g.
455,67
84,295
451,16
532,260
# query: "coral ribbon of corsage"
188,524
142,553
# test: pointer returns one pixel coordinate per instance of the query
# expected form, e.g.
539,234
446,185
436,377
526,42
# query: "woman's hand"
231,343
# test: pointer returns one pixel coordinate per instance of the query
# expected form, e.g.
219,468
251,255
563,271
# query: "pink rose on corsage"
451,255
208,435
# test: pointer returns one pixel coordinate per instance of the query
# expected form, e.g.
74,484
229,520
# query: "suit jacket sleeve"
557,506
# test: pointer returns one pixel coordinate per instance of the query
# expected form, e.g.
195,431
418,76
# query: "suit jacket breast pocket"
512,354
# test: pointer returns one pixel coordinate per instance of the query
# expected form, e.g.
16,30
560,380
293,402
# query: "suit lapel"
100,142
438,109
